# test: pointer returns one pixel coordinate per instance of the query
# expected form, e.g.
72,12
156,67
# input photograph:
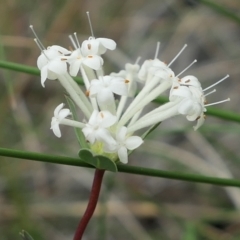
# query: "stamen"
126,81
177,55
216,83
40,45
90,23
157,50
72,41
187,67
210,104
214,90
42,50
76,39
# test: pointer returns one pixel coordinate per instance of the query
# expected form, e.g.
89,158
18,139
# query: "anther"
87,93
126,81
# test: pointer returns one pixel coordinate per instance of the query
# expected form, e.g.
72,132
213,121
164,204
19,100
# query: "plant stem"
93,199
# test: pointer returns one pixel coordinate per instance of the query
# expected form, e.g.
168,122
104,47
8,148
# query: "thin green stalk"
121,168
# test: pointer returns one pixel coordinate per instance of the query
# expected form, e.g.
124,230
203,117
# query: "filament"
221,80
90,23
157,50
210,104
177,55
187,67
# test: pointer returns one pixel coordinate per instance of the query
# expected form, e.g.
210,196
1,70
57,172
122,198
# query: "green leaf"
98,161
25,235
80,136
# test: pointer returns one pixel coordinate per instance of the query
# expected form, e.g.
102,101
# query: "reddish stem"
92,203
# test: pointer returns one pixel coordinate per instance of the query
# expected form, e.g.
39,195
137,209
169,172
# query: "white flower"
52,62
59,115
89,58
104,87
102,44
131,74
188,90
156,68
96,128
125,143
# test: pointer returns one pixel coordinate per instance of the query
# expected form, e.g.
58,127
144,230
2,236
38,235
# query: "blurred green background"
47,200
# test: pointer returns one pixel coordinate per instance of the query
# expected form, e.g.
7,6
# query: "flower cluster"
110,124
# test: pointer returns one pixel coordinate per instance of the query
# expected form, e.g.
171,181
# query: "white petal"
106,119
89,47
122,154
133,142
200,122
107,43
51,75
42,61
103,134
142,74
93,61
95,87
63,113
119,87
56,130
121,135
105,96
58,109
89,134
74,68
60,49
196,112
93,119
44,73
179,91
58,66
191,81
185,107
